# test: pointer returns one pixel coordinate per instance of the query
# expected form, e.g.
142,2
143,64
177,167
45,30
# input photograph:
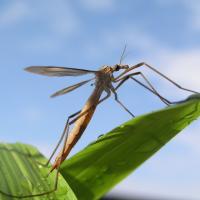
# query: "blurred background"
88,34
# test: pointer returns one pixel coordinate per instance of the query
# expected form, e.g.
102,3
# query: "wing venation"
57,71
70,88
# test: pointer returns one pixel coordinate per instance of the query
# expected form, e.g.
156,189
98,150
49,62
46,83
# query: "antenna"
123,55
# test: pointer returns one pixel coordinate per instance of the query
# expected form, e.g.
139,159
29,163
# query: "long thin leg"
61,138
120,103
65,134
59,142
156,71
151,89
164,100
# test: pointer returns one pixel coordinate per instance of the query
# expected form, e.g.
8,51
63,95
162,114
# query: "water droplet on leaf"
40,166
100,136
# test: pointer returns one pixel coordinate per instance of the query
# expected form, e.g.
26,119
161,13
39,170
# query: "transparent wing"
70,88
57,71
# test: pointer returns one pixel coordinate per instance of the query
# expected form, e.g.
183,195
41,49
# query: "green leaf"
99,167
21,174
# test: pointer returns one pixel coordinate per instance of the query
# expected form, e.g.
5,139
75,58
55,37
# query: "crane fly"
104,82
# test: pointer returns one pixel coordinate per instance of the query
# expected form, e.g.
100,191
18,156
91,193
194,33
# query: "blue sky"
89,34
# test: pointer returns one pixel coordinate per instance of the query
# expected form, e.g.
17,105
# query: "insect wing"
70,88
57,71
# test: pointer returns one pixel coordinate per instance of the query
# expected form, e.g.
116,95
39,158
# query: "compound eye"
117,67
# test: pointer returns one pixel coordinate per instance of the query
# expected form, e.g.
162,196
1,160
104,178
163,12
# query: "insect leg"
120,103
156,71
167,78
61,138
150,88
